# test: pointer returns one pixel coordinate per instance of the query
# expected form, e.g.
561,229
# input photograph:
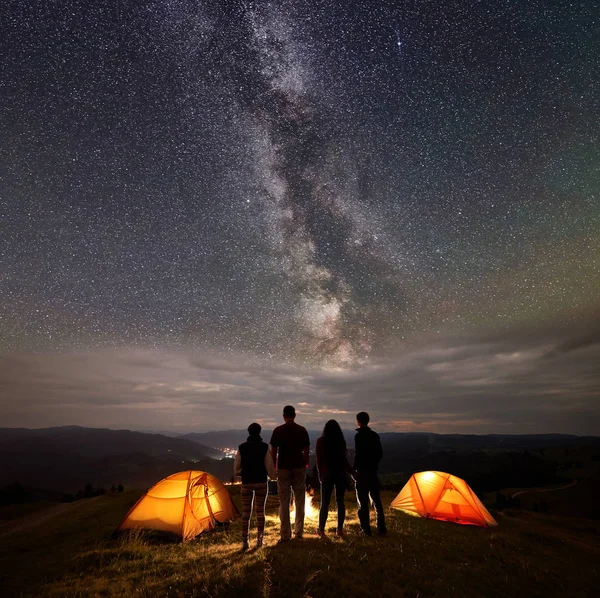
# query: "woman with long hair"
332,465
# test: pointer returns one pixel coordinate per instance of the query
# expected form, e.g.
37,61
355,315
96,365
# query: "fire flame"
310,511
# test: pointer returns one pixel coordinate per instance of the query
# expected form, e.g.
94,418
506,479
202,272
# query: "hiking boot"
339,533
320,533
283,540
365,532
382,532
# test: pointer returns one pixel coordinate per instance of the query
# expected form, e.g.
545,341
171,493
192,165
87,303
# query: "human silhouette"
332,465
254,463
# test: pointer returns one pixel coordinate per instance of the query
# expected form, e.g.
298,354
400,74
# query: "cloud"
578,342
466,385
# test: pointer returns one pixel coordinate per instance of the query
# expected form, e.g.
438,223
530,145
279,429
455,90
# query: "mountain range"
66,458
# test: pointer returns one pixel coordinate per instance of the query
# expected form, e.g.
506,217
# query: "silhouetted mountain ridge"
66,458
99,442
421,440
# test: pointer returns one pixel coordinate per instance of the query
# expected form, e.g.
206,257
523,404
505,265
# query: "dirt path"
35,519
544,489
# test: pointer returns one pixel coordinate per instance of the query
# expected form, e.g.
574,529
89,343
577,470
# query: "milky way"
313,184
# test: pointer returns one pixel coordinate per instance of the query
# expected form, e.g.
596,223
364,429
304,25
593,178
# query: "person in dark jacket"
367,455
332,465
290,446
253,462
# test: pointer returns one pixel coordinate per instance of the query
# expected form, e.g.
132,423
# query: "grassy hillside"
67,552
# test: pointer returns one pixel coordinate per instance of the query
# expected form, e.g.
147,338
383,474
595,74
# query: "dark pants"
339,483
367,484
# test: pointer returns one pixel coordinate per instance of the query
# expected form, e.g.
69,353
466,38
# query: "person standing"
254,462
290,446
367,455
332,465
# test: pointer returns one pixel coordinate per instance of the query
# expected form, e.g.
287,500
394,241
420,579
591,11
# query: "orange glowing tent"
439,495
185,503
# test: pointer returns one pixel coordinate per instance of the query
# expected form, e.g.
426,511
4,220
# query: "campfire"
310,511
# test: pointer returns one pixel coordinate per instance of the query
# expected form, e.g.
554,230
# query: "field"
68,551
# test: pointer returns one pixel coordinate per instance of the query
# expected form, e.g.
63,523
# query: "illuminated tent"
438,495
185,504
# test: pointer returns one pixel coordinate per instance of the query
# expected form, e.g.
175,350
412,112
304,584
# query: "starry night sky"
211,209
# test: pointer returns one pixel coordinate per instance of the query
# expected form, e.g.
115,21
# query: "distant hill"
231,439
224,439
489,462
101,442
484,441
66,458
421,442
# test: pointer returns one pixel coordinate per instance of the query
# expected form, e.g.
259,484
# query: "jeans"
339,483
367,484
289,480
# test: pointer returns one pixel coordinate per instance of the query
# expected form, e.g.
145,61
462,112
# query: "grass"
529,554
9,512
